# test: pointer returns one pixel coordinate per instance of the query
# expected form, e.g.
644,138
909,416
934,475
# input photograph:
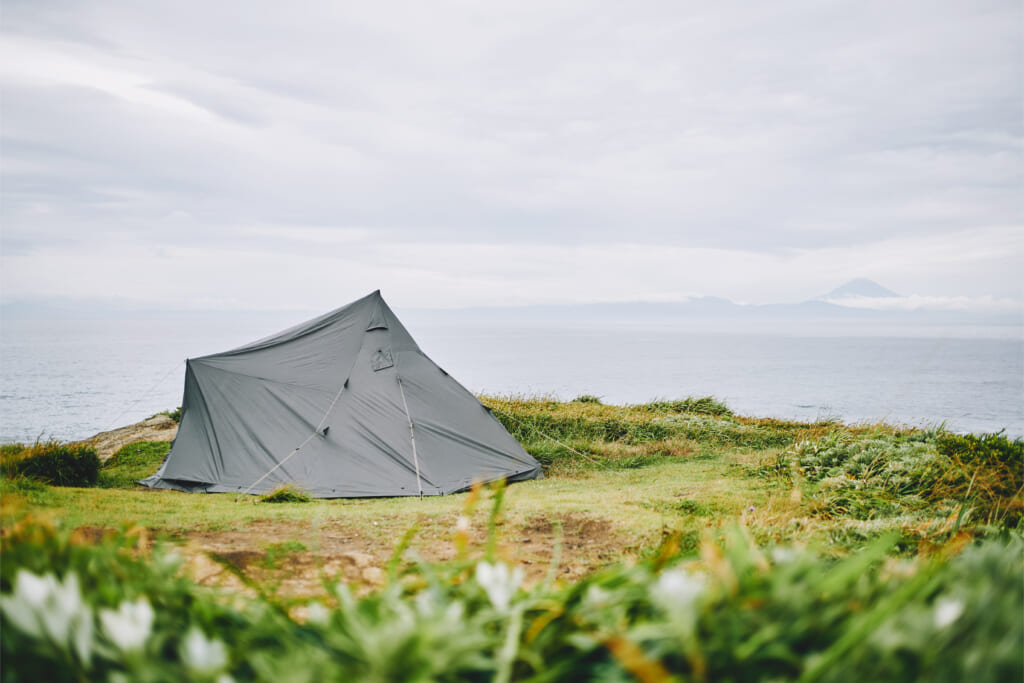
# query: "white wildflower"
203,655
499,582
596,597
947,610
30,593
783,555
130,625
44,607
318,614
677,589
454,612
34,590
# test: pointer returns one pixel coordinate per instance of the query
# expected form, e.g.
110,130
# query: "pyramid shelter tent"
345,405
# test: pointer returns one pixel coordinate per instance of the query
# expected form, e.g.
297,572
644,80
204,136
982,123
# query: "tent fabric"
345,405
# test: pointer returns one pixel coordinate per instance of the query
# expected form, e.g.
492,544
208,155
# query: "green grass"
683,465
286,493
275,552
132,463
854,544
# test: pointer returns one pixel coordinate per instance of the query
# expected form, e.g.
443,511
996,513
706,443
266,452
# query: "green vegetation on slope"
702,545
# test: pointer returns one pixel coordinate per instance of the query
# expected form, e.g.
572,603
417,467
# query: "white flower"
202,655
677,589
596,597
947,610
44,607
128,627
499,583
30,592
318,614
783,555
34,590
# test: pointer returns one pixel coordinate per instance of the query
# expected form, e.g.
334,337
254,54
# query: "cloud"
915,302
743,136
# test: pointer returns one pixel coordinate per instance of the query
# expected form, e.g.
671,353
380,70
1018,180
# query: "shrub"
173,414
887,473
988,471
286,493
55,463
706,405
587,398
11,450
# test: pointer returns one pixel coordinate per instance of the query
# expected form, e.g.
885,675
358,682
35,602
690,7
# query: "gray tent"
345,405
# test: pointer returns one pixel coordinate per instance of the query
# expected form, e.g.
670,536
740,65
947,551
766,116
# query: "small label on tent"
382,359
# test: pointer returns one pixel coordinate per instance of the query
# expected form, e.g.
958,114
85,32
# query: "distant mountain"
860,287
845,304
828,310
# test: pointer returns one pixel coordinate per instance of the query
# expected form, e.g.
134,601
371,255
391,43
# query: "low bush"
888,473
286,493
706,405
535,422
53,462
110,611
173,414
985,470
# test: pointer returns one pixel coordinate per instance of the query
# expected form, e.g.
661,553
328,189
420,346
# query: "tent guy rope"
412,438
298,448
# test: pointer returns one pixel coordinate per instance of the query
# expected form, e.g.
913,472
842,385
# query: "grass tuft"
52,462
286,493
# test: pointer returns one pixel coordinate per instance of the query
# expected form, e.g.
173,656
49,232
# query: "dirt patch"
156,428
294,559
583,542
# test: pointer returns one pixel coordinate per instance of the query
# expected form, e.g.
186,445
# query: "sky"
299,155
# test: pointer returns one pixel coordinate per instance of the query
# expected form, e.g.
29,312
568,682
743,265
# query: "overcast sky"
281,155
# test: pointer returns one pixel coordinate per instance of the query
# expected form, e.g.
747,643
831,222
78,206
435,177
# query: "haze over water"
70,379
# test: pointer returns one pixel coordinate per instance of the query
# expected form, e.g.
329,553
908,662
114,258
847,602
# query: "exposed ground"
156,428
296,557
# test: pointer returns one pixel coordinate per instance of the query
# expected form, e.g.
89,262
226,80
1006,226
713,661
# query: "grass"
684,465
131,463
873,514
286,493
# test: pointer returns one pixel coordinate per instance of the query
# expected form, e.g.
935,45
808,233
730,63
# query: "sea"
71,378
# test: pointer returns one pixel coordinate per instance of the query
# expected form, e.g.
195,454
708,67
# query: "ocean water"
72,378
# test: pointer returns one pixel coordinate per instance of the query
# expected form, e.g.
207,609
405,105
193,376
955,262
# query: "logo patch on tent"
382,359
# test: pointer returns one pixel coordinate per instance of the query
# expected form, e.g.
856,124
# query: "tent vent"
382,359
377,321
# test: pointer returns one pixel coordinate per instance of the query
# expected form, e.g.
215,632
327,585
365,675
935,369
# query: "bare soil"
264,552
156,428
